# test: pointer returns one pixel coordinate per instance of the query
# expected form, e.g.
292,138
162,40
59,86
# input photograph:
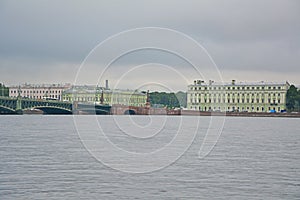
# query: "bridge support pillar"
19,112
19,106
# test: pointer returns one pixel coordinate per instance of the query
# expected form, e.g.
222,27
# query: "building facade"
100,95
39,91
237,97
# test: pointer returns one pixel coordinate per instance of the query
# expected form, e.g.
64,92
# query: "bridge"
10,105
17,105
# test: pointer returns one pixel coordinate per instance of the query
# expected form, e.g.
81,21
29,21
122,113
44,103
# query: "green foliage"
4,91
170,100
182,98
293,99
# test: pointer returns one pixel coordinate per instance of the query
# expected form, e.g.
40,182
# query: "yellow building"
238,97
100,95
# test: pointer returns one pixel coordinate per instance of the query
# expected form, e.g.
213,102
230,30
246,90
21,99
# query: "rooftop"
235,83
26,85
86,89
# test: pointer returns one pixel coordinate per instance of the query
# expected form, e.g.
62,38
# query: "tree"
293,99
4,91
182,98
170,100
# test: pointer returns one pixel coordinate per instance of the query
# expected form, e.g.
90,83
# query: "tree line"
169,100
4,91
293,99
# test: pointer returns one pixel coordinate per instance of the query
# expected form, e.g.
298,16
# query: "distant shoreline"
239,114
195,113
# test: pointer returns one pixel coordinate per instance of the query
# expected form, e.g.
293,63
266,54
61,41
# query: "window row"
239,88
236,94
270,101
36,91
237,109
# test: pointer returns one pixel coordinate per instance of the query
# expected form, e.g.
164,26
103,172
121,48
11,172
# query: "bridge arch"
53,110
130,112
101,112
6,110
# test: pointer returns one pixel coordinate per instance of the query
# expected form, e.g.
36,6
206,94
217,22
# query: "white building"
39,91
238,97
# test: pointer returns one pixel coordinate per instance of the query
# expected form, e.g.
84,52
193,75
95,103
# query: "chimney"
106,84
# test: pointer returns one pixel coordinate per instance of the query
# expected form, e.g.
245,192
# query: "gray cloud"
261,38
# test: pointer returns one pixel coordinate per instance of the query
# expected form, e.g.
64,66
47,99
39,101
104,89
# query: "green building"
101,95
237,97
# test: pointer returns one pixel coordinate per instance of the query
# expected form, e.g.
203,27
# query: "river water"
43,157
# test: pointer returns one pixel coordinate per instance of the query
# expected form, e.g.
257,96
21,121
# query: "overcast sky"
46,41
